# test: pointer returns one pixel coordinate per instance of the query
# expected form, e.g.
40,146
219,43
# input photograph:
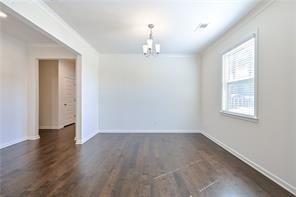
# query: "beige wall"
51,91
48,94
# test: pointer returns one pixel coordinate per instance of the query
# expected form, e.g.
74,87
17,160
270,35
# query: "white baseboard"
51,127
83,140
78,141
13,142
148,131
252,164
36,137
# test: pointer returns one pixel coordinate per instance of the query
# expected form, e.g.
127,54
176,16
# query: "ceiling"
17,28
120,26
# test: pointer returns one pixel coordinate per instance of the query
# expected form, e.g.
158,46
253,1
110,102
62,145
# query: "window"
239,80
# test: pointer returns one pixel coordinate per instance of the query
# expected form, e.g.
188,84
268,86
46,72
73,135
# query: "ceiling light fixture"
149,49
3,15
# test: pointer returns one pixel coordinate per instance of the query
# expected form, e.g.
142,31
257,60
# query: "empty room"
166,98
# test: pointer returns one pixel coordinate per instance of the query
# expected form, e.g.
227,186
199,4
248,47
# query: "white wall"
49,94
294,52
139,94
43,18
13,91
269,143
294,98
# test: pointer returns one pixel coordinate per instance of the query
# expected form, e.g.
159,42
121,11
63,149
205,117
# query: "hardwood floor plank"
127,165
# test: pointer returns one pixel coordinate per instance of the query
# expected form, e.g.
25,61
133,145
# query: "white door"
69,100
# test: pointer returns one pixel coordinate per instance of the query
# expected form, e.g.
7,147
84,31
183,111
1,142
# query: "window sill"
240,116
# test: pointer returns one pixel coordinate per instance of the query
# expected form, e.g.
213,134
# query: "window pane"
241,97
241,61
239,79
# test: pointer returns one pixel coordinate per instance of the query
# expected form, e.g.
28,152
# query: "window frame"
253,118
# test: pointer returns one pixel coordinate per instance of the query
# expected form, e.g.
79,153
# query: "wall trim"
148,131
252,164
13,142
83,140
35,137
78,141
178,55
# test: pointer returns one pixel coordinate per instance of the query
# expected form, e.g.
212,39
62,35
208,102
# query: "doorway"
57,93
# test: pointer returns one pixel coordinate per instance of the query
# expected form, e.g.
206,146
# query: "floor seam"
177,169
209,185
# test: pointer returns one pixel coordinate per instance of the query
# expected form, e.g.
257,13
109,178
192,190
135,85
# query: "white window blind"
239,84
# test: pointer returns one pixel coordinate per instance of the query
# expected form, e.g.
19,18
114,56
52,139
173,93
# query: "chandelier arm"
151,51
150,35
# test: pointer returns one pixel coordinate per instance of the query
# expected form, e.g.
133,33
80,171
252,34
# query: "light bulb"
157,48
149,43
145,49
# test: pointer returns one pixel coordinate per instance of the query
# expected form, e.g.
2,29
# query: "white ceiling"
17,28
120,26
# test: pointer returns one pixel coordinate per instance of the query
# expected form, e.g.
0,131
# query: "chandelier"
151,49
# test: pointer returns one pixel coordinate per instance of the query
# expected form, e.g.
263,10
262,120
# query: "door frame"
35,98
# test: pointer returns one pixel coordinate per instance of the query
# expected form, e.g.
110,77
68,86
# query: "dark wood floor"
128,165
